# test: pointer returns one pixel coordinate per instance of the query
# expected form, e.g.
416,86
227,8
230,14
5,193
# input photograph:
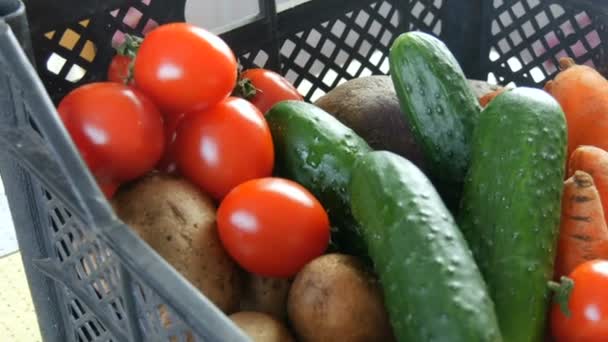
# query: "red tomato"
118,131
270,88
109,189
185,68
119,69
224,146
588,305
167,163
272,226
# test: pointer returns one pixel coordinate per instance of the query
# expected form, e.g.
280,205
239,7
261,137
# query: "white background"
218,14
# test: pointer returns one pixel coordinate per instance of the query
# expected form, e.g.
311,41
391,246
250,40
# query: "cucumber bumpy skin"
511,205
316,150
439,103
433,289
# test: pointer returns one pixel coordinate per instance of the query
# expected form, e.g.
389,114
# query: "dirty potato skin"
261,327
266,295
334,298
178,221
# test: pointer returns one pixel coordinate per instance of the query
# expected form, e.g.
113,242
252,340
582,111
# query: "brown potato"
334,298
266,295
178,221
261,327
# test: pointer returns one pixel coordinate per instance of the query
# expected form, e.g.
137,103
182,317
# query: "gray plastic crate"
91,277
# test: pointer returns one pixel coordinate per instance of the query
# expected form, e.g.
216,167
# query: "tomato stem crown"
246,89
130,46
562,290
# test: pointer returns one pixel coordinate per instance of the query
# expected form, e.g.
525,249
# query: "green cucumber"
433,289
314,149
510,209
439,104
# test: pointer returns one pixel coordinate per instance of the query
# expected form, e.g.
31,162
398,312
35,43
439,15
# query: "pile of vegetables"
419,206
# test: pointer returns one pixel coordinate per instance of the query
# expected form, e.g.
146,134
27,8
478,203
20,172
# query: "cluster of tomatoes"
168,105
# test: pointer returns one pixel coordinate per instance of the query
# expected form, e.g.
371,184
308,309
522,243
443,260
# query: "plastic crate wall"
81,289
91,277
79,51
322,44
525,39
89,294
501,41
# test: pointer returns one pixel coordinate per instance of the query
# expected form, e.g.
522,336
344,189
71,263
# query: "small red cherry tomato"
588,305
184,68
224,146
109,188
272,226
266,88
119,69
118,131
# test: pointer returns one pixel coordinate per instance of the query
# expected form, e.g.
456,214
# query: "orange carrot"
583,233
487,98
583,95
594,161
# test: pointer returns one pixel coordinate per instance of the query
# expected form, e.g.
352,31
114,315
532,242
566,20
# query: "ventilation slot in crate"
159,319
352,45
91,270
531,36
134,20
80,53
425,16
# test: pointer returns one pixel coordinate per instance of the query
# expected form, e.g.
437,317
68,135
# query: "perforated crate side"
524,39
501,41
321,44
79,51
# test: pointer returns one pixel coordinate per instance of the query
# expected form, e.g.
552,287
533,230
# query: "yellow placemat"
17,316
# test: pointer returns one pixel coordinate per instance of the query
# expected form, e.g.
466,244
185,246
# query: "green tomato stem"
562,290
